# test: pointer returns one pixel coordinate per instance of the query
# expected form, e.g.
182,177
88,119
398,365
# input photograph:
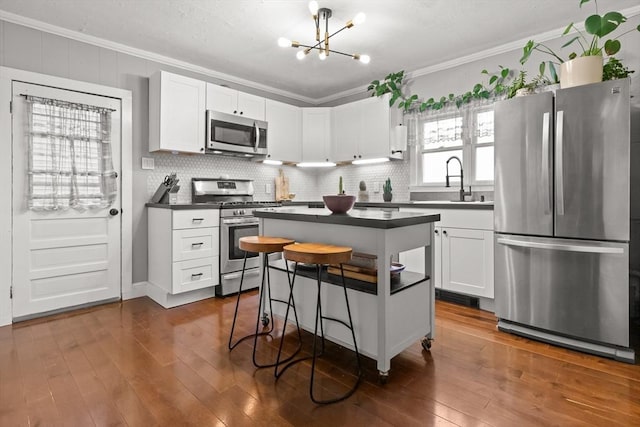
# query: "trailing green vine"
393,84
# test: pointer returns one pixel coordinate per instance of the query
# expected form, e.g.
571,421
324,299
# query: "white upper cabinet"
362,129
316,134
176,113
284,133
346,126
231,101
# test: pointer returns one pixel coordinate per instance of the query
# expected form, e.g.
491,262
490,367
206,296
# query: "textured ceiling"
239,37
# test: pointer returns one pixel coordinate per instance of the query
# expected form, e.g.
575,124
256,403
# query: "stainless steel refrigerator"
562,182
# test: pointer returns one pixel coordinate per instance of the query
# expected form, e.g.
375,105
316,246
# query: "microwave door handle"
257,133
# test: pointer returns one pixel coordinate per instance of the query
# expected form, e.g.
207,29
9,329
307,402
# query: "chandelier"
322,45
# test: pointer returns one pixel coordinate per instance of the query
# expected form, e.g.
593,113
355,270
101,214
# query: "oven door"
231,256
227,132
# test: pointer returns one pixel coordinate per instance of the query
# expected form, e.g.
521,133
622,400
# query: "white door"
65,258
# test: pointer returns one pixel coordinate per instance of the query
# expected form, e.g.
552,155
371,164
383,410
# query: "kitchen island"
389,315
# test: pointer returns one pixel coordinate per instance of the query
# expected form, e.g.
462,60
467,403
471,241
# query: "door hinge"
11,292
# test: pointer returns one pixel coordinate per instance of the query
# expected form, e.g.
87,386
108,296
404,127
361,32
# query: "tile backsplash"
397,170
308,184
303,182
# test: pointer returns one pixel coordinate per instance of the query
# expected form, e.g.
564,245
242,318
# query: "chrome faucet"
461,176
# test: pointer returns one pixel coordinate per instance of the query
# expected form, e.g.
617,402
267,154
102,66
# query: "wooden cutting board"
282,187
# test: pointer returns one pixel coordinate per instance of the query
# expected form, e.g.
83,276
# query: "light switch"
267,188
148,163
376,187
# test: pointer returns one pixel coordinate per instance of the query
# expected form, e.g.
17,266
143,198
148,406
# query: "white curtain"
70,164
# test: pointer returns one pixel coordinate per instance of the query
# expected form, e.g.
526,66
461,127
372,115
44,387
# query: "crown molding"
140,53
78,36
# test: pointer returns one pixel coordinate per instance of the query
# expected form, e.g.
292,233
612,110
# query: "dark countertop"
184,206
379,205
431,204
355,217
382,205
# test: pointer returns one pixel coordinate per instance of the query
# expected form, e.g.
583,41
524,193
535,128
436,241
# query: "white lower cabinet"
463,246
466,261
183,255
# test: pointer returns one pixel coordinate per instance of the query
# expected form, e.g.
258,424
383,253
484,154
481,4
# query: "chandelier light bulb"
284,42
365,59
301,55
359,18
313,8
322,55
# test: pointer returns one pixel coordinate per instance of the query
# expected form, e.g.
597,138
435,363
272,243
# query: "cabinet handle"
444,232
359,156
235,111
436,232
197,219
354,156
194,275
241,112
197,244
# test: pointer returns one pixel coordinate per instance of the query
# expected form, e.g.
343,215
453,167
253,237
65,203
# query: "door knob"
113,212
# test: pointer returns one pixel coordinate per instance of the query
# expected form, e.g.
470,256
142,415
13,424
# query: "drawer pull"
195,275
197,244
197,219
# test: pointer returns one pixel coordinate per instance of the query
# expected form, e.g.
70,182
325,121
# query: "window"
466,134
69,156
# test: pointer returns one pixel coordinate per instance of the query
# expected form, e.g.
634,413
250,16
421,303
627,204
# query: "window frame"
469,145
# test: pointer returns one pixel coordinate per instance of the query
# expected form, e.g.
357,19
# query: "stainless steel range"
235,199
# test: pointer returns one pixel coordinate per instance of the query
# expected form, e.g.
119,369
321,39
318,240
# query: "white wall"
33,50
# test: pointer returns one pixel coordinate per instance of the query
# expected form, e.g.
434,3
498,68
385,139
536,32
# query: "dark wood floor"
135,363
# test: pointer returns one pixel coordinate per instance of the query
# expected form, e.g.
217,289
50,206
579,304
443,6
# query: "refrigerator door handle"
559,163
545,159
560,246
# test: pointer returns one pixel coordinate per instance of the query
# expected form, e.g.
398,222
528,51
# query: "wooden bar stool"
264,245
320,254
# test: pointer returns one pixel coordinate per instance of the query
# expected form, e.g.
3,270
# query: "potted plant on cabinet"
586,66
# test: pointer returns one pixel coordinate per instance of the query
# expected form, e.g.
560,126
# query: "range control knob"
242,212
236,212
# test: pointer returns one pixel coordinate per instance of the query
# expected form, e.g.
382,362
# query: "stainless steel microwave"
235,135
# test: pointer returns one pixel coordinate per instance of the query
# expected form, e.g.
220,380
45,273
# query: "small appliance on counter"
167,191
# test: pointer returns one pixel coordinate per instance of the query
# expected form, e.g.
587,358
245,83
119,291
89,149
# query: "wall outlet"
376,187
148,163
267,188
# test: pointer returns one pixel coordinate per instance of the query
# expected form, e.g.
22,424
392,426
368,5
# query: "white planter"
581,71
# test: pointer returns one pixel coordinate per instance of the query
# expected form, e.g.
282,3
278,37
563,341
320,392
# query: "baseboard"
456,298
167,300
138,290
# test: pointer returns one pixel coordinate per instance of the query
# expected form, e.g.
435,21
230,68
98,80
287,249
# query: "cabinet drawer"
195,243
194,274
197,218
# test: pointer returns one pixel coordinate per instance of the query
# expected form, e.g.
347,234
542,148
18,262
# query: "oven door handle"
239,274
240,221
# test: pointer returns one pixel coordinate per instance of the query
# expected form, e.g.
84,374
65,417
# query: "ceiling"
239,37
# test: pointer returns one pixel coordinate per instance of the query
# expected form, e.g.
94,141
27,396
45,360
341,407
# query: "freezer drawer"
573,287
